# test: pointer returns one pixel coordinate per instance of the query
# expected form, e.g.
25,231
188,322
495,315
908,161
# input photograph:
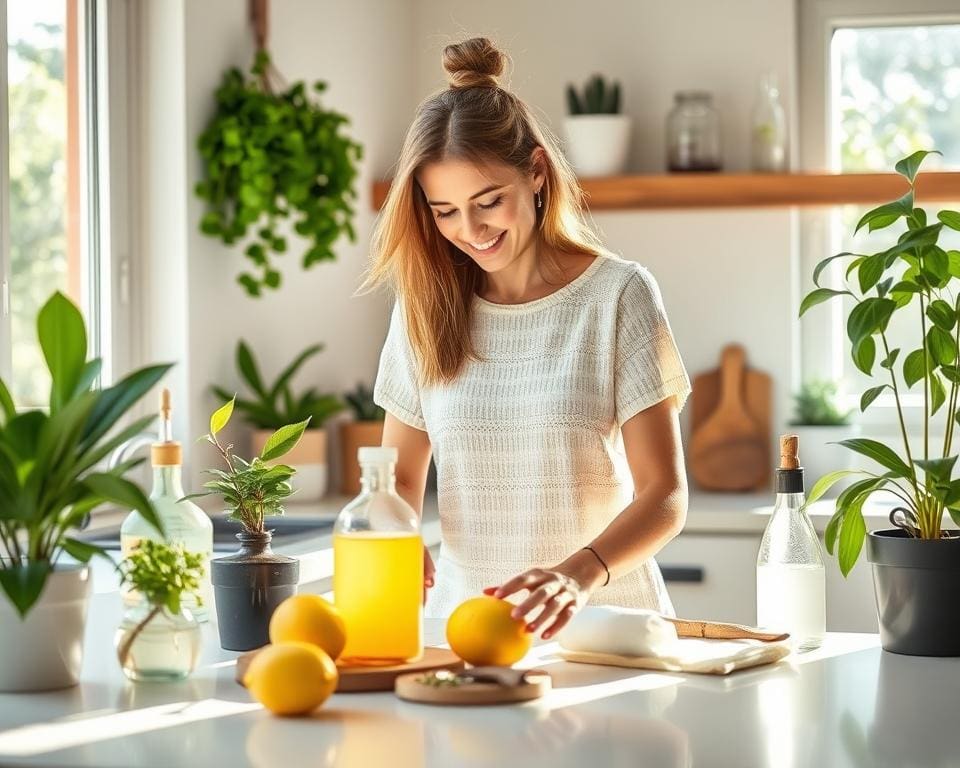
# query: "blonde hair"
477,120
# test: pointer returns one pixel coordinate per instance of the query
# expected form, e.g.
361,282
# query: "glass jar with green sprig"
159,638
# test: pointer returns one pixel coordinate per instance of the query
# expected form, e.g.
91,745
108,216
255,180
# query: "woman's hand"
558,592
428,573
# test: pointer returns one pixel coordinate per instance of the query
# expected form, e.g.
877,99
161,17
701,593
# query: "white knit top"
527,444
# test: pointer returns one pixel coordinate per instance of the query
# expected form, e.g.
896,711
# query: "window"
54,231
890,85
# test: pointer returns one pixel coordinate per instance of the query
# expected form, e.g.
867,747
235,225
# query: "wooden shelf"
750,190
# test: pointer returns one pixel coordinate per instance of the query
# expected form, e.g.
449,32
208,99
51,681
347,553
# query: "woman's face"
488,212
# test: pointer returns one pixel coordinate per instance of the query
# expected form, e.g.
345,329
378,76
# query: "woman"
539,369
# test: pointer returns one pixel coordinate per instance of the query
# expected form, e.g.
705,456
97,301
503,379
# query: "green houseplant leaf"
914,275
270,155
48,476
283,440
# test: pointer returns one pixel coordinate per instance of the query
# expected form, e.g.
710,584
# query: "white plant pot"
819,458
597,145
44,651
308,458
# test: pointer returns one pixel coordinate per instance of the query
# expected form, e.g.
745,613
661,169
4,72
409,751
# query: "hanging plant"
273,154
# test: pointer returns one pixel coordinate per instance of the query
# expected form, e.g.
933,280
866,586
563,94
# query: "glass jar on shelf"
693,133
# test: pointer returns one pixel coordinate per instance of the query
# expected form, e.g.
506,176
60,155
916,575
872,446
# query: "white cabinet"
713,576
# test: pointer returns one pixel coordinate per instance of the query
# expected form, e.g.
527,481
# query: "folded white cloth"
636,637
619,631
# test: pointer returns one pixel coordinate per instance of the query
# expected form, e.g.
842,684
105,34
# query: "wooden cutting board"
476,686
730,426
375,678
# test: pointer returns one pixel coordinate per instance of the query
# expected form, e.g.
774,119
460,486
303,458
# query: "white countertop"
847,704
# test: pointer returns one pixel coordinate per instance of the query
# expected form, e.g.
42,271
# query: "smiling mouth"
494,244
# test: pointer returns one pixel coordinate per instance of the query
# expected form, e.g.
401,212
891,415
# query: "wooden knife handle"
715,630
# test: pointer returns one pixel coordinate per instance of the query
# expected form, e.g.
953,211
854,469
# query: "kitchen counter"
846,704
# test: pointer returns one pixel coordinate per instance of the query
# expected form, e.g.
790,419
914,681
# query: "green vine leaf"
270,157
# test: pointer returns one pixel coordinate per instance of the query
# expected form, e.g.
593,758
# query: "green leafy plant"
268,155
274,405
816,405
50,478
361,402
252,490
162,574
914,275
598,98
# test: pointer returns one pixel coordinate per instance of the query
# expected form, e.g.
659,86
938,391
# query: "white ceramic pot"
597,145
818,457
44,651
308,458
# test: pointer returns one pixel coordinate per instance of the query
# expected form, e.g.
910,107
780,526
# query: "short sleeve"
396,388
648,368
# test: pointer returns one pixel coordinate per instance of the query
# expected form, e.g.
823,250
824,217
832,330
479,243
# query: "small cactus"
598,98
361,401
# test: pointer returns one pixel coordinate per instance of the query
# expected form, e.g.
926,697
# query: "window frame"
820,353
106,226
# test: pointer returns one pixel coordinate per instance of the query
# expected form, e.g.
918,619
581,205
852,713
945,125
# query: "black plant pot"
915,581
248,586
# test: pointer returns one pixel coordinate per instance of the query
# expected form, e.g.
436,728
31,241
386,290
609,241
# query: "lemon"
481,631
291,678
309,619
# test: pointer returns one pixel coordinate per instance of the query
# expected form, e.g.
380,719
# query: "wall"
725,275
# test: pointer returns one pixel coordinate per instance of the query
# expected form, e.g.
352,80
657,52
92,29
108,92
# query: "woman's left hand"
559,594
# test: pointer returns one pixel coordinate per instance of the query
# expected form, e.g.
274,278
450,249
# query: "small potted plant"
250,584
821,424
51,478
916,564
365,430
273,405
159,637
598,136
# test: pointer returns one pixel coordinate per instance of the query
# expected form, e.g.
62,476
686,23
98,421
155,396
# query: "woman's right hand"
428,572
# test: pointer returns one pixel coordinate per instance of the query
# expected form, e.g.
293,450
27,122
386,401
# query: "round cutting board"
534,684
376,678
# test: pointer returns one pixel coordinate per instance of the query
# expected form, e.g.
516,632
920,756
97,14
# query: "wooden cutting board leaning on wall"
730,426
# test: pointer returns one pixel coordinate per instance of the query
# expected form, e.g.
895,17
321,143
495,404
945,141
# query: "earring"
539,200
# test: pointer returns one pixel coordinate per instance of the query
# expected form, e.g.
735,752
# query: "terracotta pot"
44,651
353,436
308,457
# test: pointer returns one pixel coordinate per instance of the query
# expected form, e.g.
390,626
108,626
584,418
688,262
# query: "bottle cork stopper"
788,452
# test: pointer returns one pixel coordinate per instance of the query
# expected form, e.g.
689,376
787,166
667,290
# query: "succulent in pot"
917,563
51,479
249,585
821,423
597,134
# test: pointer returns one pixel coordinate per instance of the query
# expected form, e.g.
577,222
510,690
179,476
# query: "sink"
285,531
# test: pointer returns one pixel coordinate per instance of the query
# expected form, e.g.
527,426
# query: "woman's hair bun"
474,63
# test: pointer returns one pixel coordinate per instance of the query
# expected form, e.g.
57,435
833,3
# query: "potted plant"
365,430
271,152
598,136
50,479
820,424
250,584
273,405
159,637
916,565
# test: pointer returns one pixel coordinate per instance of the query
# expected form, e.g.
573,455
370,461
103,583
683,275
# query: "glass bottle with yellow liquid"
378,568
